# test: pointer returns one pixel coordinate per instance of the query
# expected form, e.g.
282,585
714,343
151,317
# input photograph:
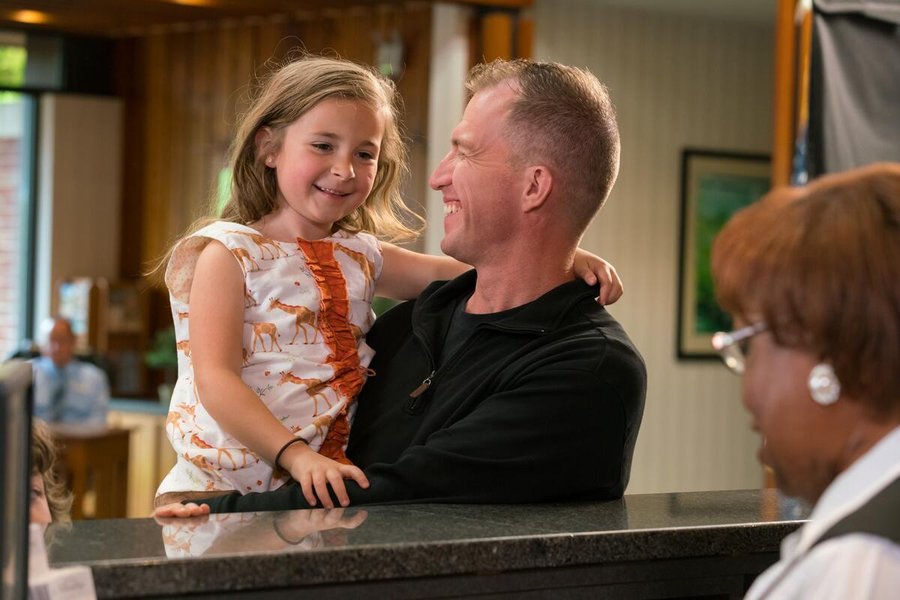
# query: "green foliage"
381,305
223,190
12,66
163,354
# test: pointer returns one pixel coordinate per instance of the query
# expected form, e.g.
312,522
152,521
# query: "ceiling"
760,11
130,17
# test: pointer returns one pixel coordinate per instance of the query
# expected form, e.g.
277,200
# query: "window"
17,143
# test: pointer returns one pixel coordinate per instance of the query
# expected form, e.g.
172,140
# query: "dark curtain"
854,116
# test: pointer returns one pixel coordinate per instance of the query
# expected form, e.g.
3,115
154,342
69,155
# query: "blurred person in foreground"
50,499
67,390
811,276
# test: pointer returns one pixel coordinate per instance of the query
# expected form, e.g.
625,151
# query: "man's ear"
538,185
265,143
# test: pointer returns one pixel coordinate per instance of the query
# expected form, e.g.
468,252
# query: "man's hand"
315,472
591,268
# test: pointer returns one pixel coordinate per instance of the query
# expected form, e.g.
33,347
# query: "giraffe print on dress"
174,419
321,423
265,329
249,300
365,265
201,463
304,318
265,244
314,388
220,452
185,347
243,255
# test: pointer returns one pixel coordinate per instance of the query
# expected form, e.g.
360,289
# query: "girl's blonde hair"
43,459
284,96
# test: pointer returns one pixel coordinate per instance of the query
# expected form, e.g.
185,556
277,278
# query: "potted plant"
163,356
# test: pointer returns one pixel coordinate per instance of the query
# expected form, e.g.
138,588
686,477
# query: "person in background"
811,276
509,383
272,301
67,390
50,500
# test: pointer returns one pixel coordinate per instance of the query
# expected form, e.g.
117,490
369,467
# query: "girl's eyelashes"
322,146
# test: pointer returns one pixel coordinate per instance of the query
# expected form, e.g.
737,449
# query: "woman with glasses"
811,276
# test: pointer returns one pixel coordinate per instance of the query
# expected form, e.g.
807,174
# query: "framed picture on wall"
714,185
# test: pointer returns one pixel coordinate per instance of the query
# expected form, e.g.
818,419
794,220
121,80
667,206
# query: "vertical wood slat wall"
183,89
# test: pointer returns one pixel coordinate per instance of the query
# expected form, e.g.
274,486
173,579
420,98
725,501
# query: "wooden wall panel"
184,88
496,36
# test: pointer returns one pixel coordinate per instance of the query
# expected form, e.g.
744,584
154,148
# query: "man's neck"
516,282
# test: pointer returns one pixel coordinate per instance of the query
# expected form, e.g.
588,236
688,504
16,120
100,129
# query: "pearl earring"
269,161
824,386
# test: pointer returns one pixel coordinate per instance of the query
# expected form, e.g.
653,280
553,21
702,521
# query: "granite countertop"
140,557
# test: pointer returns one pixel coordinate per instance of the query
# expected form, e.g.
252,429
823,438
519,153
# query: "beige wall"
676,81
79,191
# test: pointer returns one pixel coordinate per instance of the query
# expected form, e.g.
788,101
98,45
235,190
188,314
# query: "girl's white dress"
307,310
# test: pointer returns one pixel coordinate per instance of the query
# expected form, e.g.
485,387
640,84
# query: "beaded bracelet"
287,445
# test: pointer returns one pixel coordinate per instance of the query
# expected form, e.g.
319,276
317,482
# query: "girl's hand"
181,511
592,269
315,472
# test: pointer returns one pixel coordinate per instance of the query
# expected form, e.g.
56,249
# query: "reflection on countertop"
293,549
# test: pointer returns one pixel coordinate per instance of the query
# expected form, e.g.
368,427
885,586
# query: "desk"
699,544
151,454
94,462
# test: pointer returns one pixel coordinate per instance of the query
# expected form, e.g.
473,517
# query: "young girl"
51,500
272,302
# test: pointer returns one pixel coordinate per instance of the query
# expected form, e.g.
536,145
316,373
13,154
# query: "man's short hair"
563,118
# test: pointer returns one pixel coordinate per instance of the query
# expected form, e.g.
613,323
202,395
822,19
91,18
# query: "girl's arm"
405,274
215,330
592,269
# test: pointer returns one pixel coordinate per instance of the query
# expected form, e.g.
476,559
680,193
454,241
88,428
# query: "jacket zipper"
416,393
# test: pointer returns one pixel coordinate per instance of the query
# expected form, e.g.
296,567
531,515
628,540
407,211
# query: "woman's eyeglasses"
732,346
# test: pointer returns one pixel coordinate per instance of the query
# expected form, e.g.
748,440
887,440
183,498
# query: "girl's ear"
265,142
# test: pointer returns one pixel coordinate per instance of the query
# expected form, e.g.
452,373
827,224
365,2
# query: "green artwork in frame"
714,186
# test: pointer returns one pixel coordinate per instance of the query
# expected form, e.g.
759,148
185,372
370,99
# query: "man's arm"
554,435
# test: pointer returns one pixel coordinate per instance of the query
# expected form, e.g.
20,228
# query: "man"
508,383
67,390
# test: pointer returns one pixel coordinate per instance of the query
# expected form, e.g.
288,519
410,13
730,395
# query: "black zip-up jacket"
544,405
